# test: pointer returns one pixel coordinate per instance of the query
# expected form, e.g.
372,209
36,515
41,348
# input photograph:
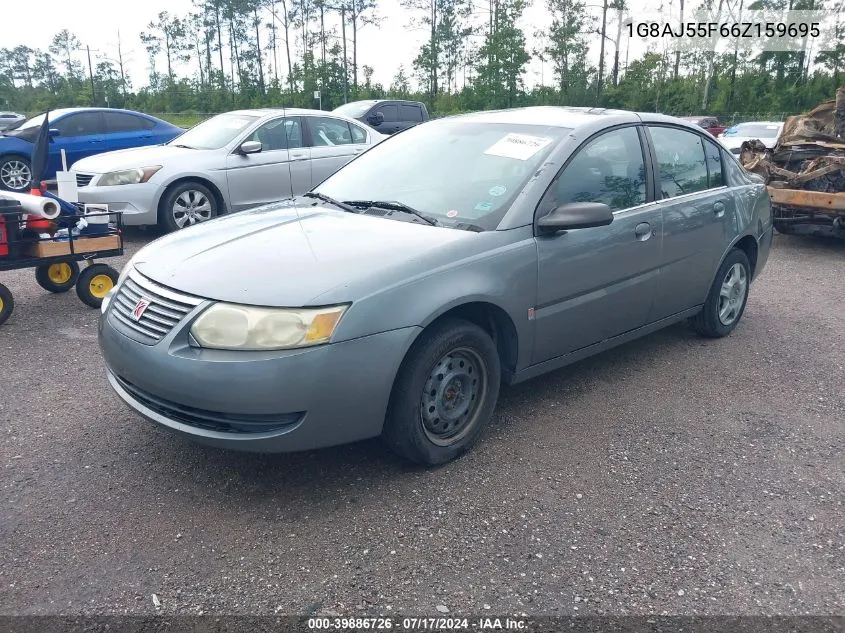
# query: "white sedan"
767,132
231,162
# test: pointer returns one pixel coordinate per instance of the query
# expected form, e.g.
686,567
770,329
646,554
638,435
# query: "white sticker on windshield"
518,146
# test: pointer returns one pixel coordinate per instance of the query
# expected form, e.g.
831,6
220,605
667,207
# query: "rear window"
757,130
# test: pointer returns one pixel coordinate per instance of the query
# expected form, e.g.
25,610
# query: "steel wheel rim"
15,174
100,285
452,396
732,294
191,207
59,273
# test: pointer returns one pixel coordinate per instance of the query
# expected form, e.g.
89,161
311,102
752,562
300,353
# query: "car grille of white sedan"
83,180
148,311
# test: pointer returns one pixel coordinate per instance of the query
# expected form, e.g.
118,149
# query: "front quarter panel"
504,274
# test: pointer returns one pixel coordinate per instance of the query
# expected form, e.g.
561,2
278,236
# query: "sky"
97,24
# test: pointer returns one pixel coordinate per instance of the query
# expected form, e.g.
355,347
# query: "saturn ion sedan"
230,162
396,297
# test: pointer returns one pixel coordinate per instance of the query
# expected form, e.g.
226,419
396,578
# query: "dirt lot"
671,475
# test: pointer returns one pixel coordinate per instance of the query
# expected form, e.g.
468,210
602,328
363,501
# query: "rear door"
124,130
271,174
81,134
698,215
410,115
334,142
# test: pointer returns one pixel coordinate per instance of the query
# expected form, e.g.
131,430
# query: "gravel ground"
673,475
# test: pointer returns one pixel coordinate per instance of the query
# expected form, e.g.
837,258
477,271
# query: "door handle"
297,156
643,231
719,208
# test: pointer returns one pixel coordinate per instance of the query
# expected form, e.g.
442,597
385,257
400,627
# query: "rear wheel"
7,304
94,284
186,204
59,277
728,296
444,394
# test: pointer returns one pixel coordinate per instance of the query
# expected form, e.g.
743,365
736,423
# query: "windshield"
215,132
757,130
354,109
453,171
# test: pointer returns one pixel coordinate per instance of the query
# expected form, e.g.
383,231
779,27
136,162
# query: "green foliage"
230,54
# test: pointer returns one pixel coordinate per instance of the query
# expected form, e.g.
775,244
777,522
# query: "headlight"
127,176
232,326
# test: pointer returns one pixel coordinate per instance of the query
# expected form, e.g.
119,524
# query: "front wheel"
727,298
444,394
15,174
186,204
94,284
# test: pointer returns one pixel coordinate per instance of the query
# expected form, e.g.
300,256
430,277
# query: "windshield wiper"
465,226
392,205
330,200
183,146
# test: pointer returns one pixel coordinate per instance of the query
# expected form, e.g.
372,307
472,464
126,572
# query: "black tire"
411,427
59,277
189,192
94,283
709,322
784,228
7,304
12,167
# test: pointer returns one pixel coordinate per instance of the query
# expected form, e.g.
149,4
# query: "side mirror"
54,132
377,118
575,215
250,147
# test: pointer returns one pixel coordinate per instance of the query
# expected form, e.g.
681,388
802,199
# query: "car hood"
284,255
132,158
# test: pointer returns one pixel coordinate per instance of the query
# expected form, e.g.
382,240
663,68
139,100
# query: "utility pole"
616,53
91,75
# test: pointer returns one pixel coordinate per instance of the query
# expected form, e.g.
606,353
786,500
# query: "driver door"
597,283
271,174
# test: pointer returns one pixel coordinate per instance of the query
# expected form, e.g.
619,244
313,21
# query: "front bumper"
257,401
138,203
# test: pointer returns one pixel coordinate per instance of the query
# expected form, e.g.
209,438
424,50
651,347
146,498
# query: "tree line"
229,54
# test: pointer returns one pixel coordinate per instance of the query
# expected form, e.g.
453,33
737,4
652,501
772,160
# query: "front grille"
83,180
164,310
210,420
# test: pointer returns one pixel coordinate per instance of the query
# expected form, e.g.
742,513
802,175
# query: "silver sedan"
9,120
231,162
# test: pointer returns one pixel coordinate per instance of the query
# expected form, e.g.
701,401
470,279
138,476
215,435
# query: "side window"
278,134
359,136
120,122
81,124
326,131
714,165
390,112
410,113
609,169
680,157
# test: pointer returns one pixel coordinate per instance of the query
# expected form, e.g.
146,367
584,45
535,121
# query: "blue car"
80,132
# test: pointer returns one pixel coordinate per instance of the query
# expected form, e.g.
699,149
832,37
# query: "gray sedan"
10,120
228,163
396,298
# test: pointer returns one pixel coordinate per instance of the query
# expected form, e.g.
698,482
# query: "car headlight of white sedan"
241,327
127,176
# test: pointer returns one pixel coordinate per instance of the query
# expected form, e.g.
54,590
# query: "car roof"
566,117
